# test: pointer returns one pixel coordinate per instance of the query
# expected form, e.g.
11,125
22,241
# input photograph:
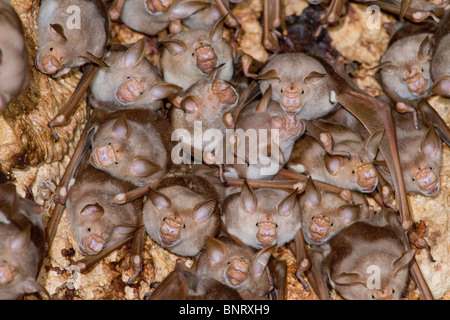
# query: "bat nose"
428,181
320,227
7,273
383,294
367,177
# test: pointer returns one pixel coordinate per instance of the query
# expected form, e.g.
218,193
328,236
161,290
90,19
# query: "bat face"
237,267
120,147
262,218
325,214
21,244
206,101
180,219
61,47
355,174
130,80
375,268
407,67
96,222
13,55
192,55
302,84
421,168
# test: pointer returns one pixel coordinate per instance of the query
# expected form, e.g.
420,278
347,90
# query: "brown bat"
263,217
193,54
355,174
367,260
22,244
239,267
206,17
207,101
63,26
96,222
129,80
184,284
181,213
440,71
272,18
324,214
153,16
315,83
14,69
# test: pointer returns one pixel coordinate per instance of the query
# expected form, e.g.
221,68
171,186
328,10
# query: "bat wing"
430,116
375,116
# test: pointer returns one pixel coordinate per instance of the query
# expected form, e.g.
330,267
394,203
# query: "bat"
14,69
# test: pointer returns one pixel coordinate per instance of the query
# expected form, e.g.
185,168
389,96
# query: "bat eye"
331,224
228,263
51,49
116,163
422,69
303,91
393,291
164,219
431,168
353,172
89,229
184,226
276,225
193,54
413,179
281,90
373,297
128,78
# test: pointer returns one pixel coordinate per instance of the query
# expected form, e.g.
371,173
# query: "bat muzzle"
130,91
170,231
319,228
428,182
92,245
291,100
206,59
7,273
103,157
267,233
367,178
237,272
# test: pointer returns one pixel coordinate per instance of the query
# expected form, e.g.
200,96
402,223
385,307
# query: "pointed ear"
269,75
190,104
333,164
32,286
261,259
184,9
216,33
287,205
162,90
249,202
93,210
93,59
386,66
372,144
174,46
216,250
121,128
9,200
441,86
143,167
430,142
314,77
349,212
424,49
312,194
403,261
125,230
58,31
213,75
134,55
159,200
204,210
264,103
348,279
19,242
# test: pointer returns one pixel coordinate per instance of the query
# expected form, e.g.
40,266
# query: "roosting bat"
14,69
22,244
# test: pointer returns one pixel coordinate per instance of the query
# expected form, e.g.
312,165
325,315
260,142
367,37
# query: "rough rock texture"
29,152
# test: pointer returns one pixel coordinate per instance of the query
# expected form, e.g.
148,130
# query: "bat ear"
121,128
348,279
261,259
159,200
93,210
143,167
162,90
213,75
19,242
333,164
174,46
349,212
184,9
204,210
424,49
125,230
249,201
386,66
372,144
314,77
264,103
441,86
9,201
312,194
403,261
31,286
190,104
135,54
58,31
430,142
287,205
216,250
216,33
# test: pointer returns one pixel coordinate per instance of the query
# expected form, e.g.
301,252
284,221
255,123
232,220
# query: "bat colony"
329,146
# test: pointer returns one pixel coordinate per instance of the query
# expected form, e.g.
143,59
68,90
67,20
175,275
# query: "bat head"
52,57
158,7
